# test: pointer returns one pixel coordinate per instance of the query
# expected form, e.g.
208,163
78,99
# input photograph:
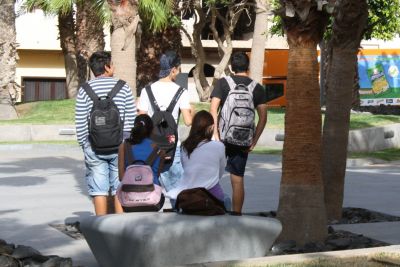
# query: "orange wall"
275,63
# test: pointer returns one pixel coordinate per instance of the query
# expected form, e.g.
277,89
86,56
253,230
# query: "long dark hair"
200,131
142,128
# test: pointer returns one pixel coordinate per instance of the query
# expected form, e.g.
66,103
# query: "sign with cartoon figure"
379,78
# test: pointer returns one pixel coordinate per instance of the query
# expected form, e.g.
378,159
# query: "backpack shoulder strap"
152,157
128,153
118,86
152,99
175,99
89,91
230,82
252,86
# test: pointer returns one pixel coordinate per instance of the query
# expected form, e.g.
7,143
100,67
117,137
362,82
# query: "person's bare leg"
237,193
117,205
100,205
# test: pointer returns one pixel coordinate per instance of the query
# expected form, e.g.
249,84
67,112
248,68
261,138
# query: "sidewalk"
44,184
368,139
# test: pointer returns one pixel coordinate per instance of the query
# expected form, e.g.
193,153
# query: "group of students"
199,161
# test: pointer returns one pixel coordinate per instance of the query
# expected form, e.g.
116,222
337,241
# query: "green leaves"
50,7
156,14
383,19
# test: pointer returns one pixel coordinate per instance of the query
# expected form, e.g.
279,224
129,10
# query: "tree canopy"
383,20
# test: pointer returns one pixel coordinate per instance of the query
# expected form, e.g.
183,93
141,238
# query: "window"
274,90
39,89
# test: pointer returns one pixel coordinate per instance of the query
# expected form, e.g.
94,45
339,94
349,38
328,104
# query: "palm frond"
156,13
103,10
61,6
31,5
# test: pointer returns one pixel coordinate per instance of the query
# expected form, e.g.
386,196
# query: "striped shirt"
101,86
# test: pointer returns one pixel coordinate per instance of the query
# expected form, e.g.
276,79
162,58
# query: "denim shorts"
236,159
101,172
170,178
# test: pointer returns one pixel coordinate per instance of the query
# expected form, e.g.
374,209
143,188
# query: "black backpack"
165,133
198,201
105,123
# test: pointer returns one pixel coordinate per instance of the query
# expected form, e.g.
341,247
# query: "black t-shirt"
221,90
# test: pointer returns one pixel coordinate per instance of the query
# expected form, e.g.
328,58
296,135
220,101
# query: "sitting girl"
142,151
203,160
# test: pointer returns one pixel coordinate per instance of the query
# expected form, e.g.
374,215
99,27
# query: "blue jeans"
169,178
101,172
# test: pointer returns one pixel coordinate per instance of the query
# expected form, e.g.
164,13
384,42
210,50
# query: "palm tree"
8,59
154,41
66,28
80,36
126,31
301,201
89,34
349,24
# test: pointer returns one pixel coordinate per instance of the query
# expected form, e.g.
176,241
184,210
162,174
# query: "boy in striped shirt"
102,170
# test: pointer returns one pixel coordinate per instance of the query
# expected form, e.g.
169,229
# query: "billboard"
379,77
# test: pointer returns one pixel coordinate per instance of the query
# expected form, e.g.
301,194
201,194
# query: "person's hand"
252,146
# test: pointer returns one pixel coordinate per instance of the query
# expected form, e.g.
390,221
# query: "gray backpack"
236,121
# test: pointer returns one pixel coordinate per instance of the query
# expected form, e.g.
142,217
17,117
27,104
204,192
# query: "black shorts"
236,159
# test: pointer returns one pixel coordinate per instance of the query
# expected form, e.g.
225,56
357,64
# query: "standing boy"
237,150
101,160
164,91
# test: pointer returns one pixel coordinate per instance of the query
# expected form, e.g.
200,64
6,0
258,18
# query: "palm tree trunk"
259,38
66,28
336,129
125,21
301,201
89,37
8,59
348,28
152,45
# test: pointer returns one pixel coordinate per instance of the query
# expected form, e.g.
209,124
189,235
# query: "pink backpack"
137,192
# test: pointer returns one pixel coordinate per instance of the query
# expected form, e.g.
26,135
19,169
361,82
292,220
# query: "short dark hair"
239,62
98,60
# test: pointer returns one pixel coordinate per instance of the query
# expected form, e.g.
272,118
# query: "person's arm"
121,161
130,110
143,103
81,118
262,120
188,115
215,102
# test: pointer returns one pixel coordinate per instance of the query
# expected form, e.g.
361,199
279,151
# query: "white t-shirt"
204,168
163,93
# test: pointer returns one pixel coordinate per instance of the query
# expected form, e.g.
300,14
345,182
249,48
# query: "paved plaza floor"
44,184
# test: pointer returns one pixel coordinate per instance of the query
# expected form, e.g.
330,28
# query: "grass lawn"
62,112
45,112
390,154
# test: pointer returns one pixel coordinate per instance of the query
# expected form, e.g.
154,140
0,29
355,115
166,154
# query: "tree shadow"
24,171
